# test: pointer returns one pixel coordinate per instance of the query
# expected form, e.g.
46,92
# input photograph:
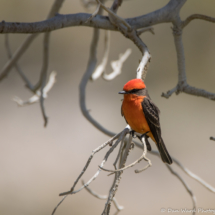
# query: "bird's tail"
163,152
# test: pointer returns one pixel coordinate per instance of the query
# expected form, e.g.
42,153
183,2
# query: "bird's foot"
144,135
149,148
133,134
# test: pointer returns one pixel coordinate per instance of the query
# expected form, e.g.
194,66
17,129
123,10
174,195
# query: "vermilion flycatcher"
143,115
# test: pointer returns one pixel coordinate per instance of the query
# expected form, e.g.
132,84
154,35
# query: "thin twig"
122,134
37,95
43,75
182,85
188,172
82,87
143,140
117,66
53,212
94,14
197,16
101,67
23,47
24,78
186,187
118,18
169,93
143,156
17,54
143,30
109,142
117,178
103,197
119,153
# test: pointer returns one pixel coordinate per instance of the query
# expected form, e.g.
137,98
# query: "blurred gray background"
37,163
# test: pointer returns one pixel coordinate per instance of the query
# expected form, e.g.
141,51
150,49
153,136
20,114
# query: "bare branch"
20,51
169,93
117,66
24,78
15,57
37,95
87,164
119,152
118,207
82,87
182,85
122,134
101,67
162,15
195,177
198,92
186,186
186,170
109,142
116,4
143,156
113,14
142,68
117,178
53,212
197,16
94,14
143,140
143,30
132,35
43,75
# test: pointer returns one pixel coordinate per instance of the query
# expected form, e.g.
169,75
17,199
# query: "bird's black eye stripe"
134,91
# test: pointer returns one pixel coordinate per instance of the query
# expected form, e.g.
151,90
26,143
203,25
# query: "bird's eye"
134,90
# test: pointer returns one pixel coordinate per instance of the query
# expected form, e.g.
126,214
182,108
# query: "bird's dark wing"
151,113
122,110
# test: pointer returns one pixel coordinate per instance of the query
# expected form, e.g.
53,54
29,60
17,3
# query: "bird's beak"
123,92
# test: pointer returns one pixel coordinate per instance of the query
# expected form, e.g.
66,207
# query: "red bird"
143,115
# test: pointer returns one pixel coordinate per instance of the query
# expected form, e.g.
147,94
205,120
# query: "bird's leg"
149,148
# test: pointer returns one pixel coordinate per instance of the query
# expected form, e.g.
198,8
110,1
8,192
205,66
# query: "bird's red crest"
134,84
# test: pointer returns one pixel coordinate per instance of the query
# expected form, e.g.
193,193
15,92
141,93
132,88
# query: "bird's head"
134,86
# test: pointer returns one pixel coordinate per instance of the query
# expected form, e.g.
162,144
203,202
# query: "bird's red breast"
134,115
